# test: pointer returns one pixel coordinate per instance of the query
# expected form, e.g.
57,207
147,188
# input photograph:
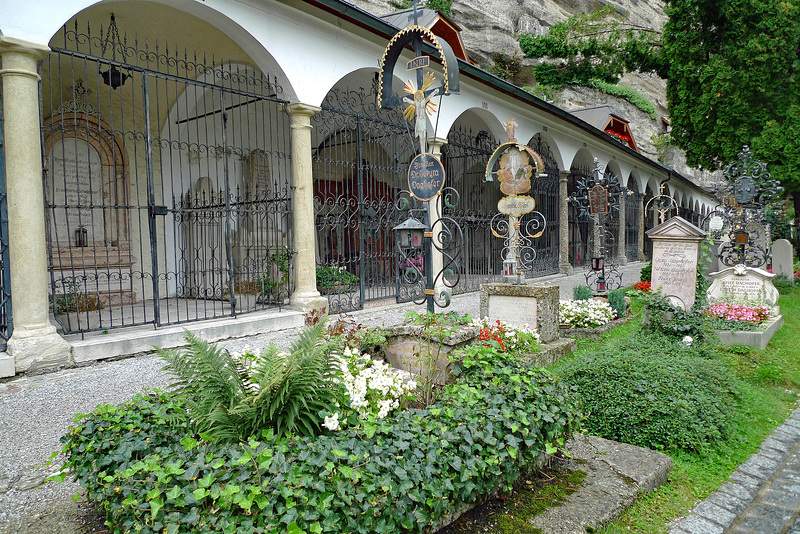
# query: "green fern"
292,388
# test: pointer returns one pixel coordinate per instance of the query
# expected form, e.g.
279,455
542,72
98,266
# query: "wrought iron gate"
465,157
360,156
6,323
632,213
581,228
167,184
545,192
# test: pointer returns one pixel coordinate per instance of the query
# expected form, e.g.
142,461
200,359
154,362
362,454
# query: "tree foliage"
732,70
733,80
589,46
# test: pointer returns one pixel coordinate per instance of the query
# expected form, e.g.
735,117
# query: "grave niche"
87,190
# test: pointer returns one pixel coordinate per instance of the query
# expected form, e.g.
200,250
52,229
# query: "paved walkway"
761,497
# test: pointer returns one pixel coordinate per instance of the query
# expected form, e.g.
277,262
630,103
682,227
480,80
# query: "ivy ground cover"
148,469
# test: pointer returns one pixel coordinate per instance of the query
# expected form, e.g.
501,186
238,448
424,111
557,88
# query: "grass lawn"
772,382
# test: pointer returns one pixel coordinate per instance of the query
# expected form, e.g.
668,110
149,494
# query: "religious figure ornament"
663,204
517,222
743,196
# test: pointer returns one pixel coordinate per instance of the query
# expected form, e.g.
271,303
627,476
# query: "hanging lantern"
113,77
741,236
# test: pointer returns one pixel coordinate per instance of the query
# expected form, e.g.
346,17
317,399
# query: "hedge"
141,465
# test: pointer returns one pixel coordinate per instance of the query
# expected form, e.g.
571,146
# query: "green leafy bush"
582,293
230,400
328,277
646,274
616,299
627,93
151,476
655,392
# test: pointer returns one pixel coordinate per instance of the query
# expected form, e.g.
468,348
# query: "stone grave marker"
743,285
514,304
782,259
676,243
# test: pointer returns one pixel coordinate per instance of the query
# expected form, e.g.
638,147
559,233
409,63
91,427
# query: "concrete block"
755,338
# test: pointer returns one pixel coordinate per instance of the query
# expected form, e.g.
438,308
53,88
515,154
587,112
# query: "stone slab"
782,259
742,285
138,340
6,365
615,474
755,338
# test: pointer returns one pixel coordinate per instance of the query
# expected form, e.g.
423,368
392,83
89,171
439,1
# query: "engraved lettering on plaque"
258,179
598,200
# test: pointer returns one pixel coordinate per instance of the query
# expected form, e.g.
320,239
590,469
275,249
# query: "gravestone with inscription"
517,305
743,285
676,244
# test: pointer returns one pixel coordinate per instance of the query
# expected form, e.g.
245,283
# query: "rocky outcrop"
490,29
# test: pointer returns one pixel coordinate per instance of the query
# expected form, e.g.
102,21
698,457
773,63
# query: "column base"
565,268
33,349
309,302
6,365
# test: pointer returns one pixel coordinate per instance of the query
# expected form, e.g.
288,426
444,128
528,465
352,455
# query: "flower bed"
148,470
737,313
585,313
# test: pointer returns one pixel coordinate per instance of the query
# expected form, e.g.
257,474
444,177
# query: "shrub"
655,392
585,313
328,277
582,292
230,400
645,275
150,477
627,93
616,299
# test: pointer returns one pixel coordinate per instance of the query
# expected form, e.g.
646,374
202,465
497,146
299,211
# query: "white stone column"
642,236
564,265
305,296
435,206
34,342
623,257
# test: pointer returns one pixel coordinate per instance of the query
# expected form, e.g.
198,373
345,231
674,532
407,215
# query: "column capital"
13,44
298,109
563,175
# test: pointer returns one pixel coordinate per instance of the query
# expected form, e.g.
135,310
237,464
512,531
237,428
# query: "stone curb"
761,497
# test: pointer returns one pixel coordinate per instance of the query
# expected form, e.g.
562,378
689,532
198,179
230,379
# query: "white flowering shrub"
585,313
373,389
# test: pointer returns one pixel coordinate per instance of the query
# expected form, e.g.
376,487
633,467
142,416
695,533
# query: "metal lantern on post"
410,234
597,263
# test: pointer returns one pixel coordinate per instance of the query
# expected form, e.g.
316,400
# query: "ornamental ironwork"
419,279
517,164
739,218
597,196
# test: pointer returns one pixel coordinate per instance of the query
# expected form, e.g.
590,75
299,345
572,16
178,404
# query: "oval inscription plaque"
425,176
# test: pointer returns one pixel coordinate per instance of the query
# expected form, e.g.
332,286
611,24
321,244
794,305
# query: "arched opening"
360,154
470,144
168,179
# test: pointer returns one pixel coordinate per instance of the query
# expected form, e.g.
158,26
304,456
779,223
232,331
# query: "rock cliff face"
490,28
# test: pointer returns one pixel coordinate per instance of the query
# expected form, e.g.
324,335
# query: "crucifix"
420,102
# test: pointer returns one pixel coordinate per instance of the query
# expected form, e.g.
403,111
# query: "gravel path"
35,411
